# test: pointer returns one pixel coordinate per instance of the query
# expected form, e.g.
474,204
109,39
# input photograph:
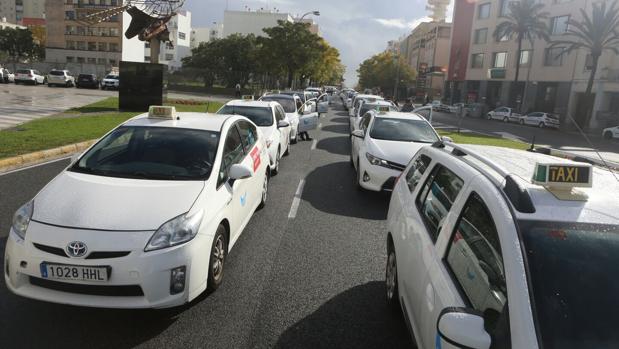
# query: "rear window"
258,115
56,73
23,71
87,76
287,103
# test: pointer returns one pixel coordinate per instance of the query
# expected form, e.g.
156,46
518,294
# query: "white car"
295,110
611,132
6,76
145,218
58,77
384,144
491,247
271,120
357,99
541,120
29,76
504,114
378,105
110,82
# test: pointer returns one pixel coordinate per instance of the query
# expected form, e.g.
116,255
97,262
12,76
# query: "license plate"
74,272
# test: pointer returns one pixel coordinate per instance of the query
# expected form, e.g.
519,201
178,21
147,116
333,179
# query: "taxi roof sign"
161,112
383,109
563,175
248,97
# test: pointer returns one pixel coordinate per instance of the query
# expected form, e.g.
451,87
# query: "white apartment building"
16,10
173,52
252,22
200,35
546,82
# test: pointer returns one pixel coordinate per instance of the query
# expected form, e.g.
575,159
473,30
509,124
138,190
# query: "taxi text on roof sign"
248,98
162,112
383,109
563,175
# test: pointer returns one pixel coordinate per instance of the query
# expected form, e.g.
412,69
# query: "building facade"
15,11
179,47
547,81
252,22
200,35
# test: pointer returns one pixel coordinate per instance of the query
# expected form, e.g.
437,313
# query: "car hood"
108,203
398,152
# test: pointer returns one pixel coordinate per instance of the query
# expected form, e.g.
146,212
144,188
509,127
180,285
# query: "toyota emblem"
76,249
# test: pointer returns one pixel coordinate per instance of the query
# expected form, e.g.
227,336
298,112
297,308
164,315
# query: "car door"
356,142
309,120
284,132
323,104
233,153
532,119
252,186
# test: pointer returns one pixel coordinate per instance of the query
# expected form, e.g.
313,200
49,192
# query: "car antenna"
592,147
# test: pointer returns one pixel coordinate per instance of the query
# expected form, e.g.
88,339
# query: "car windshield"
403,130
56,73
573,270
112,77
287,103
155,153
261,116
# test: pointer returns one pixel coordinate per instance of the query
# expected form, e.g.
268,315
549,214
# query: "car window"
261,116
287,103
249,135
299,103
365,122
415,173
279,114
232,154
475,260
436,198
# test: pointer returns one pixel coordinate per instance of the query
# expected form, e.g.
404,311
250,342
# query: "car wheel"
506,119
275,169
489,117
541,125
521,122
608,135
359,175
295,139
391,279
265,192
219,252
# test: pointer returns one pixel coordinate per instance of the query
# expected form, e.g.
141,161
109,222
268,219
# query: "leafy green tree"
382,70
19,44
595,33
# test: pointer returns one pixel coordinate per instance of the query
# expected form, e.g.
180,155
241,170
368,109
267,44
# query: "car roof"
254,104
358,96
379,103
601,206
281,95
399,115
190,120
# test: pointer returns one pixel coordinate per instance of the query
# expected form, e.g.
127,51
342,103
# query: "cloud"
401,23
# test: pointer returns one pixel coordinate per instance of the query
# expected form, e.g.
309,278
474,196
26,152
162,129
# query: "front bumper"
380,178
137,280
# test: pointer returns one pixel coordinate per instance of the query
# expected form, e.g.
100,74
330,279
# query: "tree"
382,70
596,34
524,21
19,44
327,69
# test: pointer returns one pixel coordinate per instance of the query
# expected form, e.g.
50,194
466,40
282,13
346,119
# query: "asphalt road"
314,281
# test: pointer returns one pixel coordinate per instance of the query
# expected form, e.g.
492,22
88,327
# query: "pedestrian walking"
238,90
408,106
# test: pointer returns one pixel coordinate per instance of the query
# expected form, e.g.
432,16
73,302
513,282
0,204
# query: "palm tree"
525,20
596,33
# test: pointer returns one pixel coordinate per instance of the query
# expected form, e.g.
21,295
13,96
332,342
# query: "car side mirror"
358,134
464,328
283,124
238,171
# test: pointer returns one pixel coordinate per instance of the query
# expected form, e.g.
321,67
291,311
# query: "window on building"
114,32
81,31
169,57
481,36
525,58
114,18
70,45
113,47
114,2
504,8
112,62
69,15
558,25
81,60
102,46
70,30
553,57
146,58
147,44
92,60
477,60
70,59
169,45
504,38
483,11
100,60
499,60
92,46
588,62
181,35
81,45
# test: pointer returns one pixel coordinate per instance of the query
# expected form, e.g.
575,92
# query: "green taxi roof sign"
563,175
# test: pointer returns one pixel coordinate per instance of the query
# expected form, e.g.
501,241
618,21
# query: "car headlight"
21,219
174,232
376,161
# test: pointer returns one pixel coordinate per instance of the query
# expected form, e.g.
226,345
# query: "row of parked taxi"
59,77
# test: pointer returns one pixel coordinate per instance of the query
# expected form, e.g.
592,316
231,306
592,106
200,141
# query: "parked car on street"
87,81
541,120
437,105
611,132
29,76
110,82
57,77
504,114
294,109
6,76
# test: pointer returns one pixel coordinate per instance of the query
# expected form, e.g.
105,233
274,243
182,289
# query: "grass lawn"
55,131
467,138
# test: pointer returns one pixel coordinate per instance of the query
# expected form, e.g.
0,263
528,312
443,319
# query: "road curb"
576,157
21,161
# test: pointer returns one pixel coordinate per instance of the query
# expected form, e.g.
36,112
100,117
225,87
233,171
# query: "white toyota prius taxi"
145,217
499,248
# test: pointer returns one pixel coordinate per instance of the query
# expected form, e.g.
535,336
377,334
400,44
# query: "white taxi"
368,105
384,143
270,118
145,218
499,248
357,99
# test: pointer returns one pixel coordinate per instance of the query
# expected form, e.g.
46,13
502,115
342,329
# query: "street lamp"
315,13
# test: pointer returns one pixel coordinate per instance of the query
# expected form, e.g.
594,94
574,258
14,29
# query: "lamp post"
315,13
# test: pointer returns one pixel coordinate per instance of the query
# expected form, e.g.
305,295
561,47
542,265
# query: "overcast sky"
358,28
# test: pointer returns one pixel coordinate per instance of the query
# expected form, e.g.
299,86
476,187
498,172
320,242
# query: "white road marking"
297,200
314,143
33,166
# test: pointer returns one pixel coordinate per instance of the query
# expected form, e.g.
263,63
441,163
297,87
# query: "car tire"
608,135
294,140
217,259
275,169
265,192
521,122
391,279
489,117
506,119
541,125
